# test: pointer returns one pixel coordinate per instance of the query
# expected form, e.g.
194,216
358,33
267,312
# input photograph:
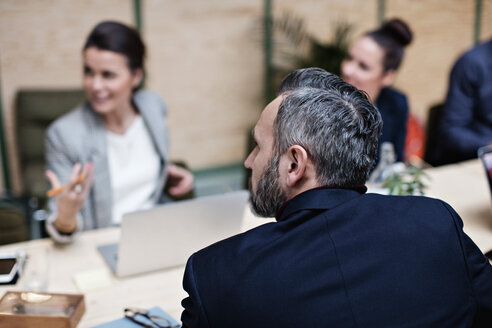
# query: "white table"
161,288
464,186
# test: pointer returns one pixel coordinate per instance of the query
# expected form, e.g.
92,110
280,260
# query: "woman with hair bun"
371,65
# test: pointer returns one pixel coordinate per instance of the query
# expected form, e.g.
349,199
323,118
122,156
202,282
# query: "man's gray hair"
337,125
312,77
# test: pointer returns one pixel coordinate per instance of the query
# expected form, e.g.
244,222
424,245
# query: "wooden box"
29,309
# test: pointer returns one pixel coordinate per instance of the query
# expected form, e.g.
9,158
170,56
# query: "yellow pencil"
56,191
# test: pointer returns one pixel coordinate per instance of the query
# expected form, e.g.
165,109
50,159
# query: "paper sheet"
92,279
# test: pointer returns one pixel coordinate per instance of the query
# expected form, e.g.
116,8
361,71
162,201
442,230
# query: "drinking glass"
36,269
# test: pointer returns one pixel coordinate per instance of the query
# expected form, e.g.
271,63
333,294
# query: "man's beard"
269,196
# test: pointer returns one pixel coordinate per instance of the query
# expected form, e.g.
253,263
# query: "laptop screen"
166,235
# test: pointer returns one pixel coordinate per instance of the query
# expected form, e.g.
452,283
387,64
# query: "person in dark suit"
336,256
466,123
371,65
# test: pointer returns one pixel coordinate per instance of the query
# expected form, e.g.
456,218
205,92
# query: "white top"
134,168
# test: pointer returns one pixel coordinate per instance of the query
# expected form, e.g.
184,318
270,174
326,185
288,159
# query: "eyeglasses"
144,319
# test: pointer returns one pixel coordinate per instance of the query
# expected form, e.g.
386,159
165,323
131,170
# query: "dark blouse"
393,107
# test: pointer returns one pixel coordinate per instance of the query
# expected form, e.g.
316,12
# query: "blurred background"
217,62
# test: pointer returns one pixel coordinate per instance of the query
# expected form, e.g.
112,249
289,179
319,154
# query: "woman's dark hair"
117,37
392,37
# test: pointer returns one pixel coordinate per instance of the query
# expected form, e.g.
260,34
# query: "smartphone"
10,266
485,154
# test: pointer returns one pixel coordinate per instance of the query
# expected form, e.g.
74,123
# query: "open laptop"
166,235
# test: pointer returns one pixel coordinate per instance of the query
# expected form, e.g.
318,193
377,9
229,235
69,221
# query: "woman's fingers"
78,184
180,180
88,176
73,180
53,179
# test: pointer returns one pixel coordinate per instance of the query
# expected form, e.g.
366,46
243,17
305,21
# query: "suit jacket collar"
323,198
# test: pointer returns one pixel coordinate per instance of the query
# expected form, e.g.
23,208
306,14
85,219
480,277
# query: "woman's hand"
72,197
179,181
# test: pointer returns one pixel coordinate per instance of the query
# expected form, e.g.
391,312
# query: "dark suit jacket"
393,107
338,258
466,123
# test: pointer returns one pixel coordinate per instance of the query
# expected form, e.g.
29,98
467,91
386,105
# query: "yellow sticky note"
92,279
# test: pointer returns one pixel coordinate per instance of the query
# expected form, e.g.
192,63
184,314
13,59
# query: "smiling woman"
108,84
117,141
371,65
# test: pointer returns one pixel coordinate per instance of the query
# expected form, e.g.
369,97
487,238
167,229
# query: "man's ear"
297,162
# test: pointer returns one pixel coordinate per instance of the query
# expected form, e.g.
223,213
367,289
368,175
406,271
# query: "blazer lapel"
97,154
155,123
157,126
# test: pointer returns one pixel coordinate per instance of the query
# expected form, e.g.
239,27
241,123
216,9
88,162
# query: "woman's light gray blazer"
79,137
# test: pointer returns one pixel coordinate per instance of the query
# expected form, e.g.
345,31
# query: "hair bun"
398,30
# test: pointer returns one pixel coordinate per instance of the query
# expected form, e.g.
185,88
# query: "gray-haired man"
336,257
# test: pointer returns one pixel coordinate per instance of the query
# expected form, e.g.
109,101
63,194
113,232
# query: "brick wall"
205,57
